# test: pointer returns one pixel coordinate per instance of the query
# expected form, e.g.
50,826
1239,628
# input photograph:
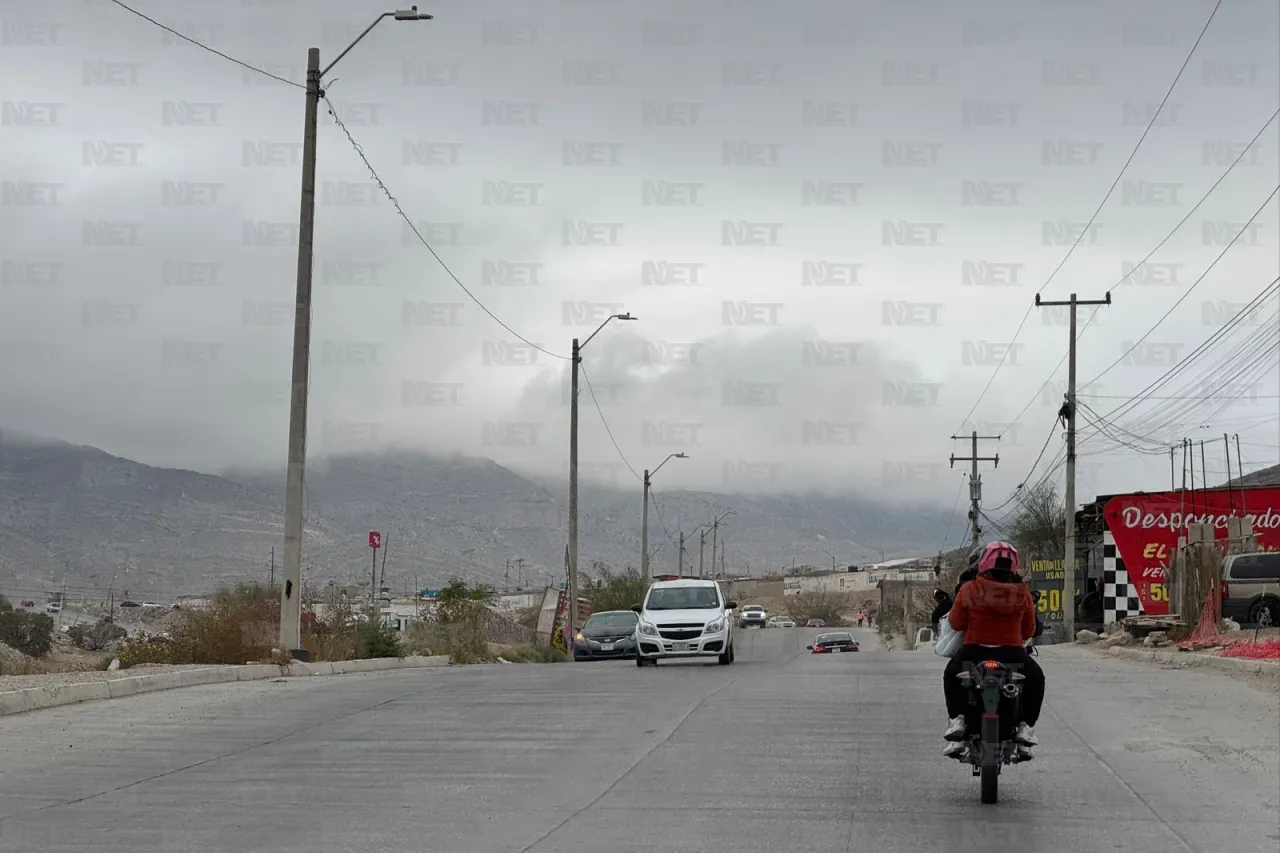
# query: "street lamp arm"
626,316
665,461
400,15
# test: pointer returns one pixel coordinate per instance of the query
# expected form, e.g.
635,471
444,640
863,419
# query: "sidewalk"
72,688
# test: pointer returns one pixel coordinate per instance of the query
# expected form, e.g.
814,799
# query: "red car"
833,643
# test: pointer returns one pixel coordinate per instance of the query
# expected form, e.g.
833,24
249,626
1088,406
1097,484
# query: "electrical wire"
1189,290
954,507
605,421
1154,116
1124,279
413,227
204,46
1018,491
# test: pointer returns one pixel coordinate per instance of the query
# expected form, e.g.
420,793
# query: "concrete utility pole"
702,547
644,520
975,482
680,559
576,361
715,531
1068,413
291,592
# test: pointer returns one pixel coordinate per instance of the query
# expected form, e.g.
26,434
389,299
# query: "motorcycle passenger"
996,614
945,601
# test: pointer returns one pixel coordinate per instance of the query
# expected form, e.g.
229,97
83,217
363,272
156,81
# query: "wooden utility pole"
1068,413
975,482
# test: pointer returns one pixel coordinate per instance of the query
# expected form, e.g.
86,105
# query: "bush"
141,649
377,640
241,625
96,637
29,633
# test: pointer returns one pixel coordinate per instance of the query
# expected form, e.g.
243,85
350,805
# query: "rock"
1155,639
1086,637
114,665
1119,638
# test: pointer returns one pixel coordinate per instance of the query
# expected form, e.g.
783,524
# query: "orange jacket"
990,613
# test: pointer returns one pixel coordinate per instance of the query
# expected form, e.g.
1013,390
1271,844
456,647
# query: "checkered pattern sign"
1119,597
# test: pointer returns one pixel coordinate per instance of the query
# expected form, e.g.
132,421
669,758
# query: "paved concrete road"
783,751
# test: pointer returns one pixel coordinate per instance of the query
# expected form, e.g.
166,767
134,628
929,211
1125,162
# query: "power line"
605,421
413,227
204,46
1079,237
1018,490
1124,279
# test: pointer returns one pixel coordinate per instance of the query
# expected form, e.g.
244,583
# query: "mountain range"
79,516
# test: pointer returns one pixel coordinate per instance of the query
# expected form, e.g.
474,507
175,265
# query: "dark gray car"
609,634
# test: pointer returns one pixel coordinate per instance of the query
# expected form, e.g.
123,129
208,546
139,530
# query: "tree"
609,591
1038,527
458,600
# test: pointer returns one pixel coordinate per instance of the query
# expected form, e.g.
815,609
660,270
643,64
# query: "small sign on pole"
375,539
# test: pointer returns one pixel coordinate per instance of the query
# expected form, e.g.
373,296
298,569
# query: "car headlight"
648,630
579,637
714,627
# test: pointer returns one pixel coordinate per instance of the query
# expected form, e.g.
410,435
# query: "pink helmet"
999,555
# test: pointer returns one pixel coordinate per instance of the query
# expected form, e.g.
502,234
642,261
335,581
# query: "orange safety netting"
1206,632
1265,650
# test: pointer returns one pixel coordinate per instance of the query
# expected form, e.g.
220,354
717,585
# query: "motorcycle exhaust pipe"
1011,690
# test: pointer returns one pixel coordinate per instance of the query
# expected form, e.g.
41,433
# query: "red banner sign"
375,539
1146,529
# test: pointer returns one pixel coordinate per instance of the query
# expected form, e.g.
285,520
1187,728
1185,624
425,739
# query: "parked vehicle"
994,691
684,618
1251,588
609,634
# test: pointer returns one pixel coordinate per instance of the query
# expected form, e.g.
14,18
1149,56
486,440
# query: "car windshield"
683,598
624,619
833,639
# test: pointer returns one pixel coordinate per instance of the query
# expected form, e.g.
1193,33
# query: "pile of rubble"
1118,635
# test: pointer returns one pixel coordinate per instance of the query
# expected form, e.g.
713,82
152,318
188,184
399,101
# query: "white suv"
685,618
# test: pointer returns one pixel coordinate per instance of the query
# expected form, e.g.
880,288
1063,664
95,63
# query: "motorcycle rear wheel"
990,784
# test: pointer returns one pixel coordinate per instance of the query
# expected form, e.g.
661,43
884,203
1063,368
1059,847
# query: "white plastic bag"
949,639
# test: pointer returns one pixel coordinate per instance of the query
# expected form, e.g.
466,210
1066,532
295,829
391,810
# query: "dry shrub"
827,606
525,653
463,641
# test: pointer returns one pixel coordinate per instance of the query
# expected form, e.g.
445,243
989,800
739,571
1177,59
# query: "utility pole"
680,564
644,530
702,547
975,482
715,530
575,361
271,584
291,591
1068,412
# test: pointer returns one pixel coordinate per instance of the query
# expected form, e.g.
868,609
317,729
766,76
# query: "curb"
1193,659
38,698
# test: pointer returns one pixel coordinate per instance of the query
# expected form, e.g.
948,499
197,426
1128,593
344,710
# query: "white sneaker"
956,730
1025,736
954,750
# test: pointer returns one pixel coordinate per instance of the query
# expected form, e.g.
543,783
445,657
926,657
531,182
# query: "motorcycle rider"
945,601
997,615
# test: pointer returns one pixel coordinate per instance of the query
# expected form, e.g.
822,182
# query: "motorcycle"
995,691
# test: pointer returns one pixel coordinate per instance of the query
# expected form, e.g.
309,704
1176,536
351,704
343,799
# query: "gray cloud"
899,177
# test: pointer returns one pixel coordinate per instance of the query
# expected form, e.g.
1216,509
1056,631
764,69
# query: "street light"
573,468
291,591
644,532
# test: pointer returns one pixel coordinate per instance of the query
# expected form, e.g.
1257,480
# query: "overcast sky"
829,219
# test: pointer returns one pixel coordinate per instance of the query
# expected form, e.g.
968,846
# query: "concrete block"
122,687
257,672
12,702
66,694
209,675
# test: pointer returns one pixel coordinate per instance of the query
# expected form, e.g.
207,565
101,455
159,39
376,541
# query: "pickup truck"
751,616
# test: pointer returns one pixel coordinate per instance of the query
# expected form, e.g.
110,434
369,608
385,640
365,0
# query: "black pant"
1032,688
